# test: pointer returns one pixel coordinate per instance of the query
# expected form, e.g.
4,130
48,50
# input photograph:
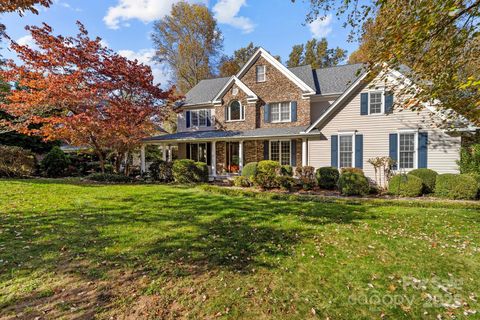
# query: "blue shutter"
293,111
422,149
293,153
359,151
209,118
187,116
265,150
393,149
266,113
364,104
388,102
334,151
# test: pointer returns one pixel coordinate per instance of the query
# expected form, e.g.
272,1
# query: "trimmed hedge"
184,171
457,186
267,170
250,169
241,181
327,177
405,185
161,171
109,177
353,184
201,172
428,176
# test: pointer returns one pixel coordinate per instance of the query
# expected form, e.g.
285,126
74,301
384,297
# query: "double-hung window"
261,74
280,112
375,102
199,118
345,151
280,151
406,150
235,111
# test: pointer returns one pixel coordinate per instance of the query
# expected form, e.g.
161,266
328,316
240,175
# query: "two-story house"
302,116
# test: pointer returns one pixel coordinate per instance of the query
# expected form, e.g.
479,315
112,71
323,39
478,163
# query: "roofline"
299,135
252,97
289,74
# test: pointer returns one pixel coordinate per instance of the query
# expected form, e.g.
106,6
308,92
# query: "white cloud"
321,28
145,56
144,10
26,41
226,12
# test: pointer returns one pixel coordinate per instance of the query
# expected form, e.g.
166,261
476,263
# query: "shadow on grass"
172,231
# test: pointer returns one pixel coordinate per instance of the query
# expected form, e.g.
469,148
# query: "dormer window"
261,77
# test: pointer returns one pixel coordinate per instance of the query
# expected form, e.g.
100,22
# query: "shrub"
201,172
184,171
267,170
241,181
286,170
352,170
109,177
353,183
55,163
456,186
470,159
285,182
161,171
306,175
428,177
405,185
249,170
16,162
327,177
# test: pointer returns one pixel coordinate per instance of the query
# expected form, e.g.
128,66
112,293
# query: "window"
261,74
198,152
406,151
280,151
198,118
375,104
235,111
280,112
345,151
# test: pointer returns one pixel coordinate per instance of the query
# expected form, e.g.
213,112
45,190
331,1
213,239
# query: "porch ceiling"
219,135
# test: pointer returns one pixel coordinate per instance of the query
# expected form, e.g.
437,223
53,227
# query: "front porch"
227,155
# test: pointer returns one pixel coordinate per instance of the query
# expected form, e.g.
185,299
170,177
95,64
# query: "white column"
304,152
240,156
164,152
142,159
169,153
214,158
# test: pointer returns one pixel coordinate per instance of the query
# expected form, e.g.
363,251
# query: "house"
334,116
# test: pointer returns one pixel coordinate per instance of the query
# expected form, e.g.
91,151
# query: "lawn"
73,250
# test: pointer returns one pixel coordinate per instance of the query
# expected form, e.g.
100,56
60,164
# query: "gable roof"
251,96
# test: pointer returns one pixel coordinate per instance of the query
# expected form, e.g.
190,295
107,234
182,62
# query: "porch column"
240,156
142,159
169,153
164,152
304,152
214,158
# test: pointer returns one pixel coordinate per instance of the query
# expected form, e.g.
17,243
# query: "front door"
233,160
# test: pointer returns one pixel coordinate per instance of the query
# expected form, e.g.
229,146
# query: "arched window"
235,111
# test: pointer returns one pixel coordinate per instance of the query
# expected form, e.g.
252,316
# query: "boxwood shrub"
456,186
55,163
353,183
285,182
428,176
201,172
405,185
250,169
286,170
184,171
267,170
161,171
241,181
327,177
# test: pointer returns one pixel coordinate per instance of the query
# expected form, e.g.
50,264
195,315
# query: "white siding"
443,149
317,108
181,122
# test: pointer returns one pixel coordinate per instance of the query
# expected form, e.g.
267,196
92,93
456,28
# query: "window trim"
280,150
242,112
415,152
280,112
382,106
264,73
197,111
351,134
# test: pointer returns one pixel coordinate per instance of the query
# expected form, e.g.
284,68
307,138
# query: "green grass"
73,250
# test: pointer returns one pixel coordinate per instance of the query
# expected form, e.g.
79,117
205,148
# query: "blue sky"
125,25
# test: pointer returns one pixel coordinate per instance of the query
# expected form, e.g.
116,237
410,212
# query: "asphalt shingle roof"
338,78
218,134
205,90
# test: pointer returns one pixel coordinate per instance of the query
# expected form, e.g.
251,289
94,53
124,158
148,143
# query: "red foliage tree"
21,6
76,90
